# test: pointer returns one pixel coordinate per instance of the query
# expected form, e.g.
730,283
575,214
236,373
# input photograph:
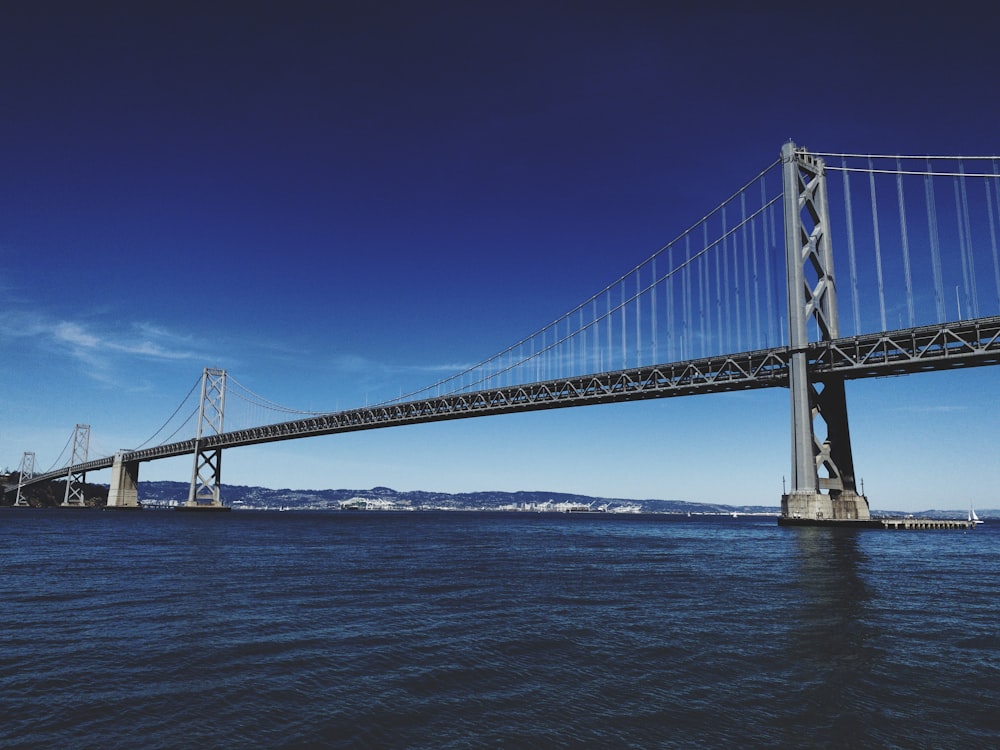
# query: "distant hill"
154,493
49,494
52,493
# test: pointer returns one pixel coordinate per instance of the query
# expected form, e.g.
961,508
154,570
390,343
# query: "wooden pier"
925,523
881,523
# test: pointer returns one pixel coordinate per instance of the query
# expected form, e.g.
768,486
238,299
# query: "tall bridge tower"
27,471
207,475
823,485
75,479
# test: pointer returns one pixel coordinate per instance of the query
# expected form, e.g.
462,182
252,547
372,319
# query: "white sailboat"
973,518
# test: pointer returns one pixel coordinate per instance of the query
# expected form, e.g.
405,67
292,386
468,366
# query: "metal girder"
964,344
923,349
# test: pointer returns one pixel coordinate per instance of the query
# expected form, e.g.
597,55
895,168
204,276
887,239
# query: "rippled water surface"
468,630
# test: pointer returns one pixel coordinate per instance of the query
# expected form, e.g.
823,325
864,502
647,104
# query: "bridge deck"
962,344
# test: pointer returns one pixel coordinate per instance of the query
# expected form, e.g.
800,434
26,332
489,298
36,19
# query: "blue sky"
339,201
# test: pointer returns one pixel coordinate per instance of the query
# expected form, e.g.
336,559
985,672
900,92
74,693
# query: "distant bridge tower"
26,472
827,463
75,479
207,474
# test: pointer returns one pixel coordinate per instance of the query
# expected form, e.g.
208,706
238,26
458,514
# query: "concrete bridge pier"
124,489
819,506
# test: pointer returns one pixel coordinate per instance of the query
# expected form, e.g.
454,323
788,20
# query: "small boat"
973,518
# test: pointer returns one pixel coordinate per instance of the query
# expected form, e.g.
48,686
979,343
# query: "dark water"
476,630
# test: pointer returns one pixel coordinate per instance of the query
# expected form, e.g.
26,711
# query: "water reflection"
831,637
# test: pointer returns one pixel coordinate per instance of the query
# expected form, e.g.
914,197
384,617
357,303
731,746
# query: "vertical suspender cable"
686,298
973,286
706,273
652,314
935,239
571,335
702,297
906,243
739,291
993,235
963,252
767,263
543,359
597,335
727,287
671,333
852,255
720,343
756,283
746,271
702,282
536,355
610,339
638,318
878,246
624,340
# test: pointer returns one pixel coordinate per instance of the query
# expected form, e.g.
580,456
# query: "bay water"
156,629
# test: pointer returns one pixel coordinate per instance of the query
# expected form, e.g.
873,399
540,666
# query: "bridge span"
960,344
704,321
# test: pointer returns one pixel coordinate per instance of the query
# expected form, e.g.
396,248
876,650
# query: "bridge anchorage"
817,463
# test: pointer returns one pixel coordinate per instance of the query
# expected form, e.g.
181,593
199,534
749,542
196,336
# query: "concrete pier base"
124,489
203,507
817,506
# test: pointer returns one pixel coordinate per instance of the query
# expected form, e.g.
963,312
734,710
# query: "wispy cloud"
100,347
939,409
354,363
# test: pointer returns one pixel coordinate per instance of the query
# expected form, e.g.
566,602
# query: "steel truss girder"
949,346
922,349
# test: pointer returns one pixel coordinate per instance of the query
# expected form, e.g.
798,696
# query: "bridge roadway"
962,344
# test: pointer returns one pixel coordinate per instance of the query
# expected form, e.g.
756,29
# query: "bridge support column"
76,479
812,297
124,489
207,475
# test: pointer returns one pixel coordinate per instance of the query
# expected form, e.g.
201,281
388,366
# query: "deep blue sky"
336,201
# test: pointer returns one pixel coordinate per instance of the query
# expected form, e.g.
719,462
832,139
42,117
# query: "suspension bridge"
744,298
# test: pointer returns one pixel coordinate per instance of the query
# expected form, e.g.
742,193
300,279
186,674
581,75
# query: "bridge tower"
825,463
75,479
207,474
27,471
